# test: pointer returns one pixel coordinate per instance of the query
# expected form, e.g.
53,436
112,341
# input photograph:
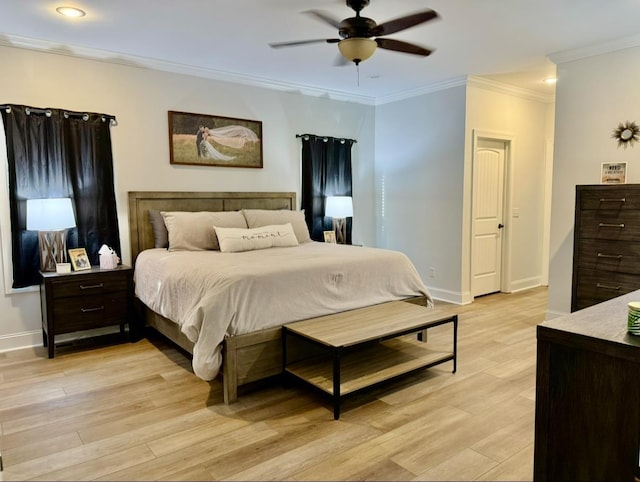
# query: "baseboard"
17,341
554,314
29,339
525,284
450,296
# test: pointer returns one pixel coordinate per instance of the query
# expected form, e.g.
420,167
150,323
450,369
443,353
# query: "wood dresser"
606,249
588,395
85,300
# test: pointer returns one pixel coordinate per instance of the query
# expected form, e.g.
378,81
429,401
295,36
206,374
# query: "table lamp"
339,208
51,218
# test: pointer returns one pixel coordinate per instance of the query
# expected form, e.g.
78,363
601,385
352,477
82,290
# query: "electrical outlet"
432,272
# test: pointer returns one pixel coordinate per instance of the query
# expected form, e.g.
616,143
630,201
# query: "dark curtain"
53,153
326,171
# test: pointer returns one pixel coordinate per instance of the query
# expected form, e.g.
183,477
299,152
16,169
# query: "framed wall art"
209,140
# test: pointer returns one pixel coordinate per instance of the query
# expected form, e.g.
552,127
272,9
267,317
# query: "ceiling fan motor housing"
357,27
357,5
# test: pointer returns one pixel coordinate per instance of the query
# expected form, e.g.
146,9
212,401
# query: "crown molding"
508,89
46,46
427,89
175,67
590,51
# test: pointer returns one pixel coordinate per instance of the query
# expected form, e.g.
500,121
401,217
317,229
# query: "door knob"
500,226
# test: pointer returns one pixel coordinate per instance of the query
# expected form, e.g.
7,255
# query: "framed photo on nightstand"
79,259
330,237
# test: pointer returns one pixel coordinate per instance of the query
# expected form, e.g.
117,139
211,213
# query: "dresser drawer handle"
609,225
621,200
616,256
91,287
89,310
608,287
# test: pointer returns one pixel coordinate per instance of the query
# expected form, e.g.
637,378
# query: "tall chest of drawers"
606,249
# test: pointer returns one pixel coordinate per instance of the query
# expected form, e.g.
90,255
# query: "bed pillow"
234,240
193,231
160,234
257,218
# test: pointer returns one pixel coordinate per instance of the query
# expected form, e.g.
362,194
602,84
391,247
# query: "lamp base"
340,227
53,249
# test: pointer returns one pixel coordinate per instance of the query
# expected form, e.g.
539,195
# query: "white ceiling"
504,40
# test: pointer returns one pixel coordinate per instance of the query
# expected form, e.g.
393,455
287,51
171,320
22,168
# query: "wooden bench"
361,348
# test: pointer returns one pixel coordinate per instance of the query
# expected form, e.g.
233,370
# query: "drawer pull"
604,200
616,256
608,287
91,287
90,310
610,225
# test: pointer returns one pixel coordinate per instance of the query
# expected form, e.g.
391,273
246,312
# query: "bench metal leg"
336,384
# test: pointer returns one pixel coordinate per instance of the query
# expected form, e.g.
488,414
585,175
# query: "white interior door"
488,221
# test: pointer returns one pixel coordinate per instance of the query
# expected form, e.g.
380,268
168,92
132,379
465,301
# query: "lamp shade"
339,207
50,214
357,49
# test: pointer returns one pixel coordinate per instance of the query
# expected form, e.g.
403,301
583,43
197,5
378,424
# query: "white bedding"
211,294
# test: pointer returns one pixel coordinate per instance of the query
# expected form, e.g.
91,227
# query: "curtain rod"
80,115
325,138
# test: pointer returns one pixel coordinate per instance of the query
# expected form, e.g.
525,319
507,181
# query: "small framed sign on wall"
613,173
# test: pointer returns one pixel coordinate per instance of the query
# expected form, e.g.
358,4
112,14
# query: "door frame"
507,200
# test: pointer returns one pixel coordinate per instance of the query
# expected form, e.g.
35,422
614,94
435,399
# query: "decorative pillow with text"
234,240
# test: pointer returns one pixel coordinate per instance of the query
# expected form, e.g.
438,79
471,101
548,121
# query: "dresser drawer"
615,256
83,313
83,285
624,226
617,198
595,286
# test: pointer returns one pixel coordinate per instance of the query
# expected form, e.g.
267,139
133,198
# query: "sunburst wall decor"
626,134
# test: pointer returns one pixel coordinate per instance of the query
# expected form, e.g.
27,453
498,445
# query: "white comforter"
211,294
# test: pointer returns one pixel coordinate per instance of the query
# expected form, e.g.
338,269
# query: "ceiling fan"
356,43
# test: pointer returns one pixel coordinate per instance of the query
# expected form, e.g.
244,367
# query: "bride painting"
231,136
198,139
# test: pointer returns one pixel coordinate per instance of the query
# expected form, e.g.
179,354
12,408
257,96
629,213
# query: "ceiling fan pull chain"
358,70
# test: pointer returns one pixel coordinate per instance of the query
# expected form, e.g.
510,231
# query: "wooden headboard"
141,234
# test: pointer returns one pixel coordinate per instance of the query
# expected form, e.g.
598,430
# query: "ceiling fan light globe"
357,49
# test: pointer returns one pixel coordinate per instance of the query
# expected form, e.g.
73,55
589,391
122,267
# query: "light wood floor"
137,412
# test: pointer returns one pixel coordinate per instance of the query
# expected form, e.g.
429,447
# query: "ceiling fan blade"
393,26
277,45
325,17
400,46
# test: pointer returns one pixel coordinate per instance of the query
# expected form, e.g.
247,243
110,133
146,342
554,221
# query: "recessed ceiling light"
70,12
550,80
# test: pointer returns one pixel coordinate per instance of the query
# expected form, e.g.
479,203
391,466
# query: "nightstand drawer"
78,313
89,285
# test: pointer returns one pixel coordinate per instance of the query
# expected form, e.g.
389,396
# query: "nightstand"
84,300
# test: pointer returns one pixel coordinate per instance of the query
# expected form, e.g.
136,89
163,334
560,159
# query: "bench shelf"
362,348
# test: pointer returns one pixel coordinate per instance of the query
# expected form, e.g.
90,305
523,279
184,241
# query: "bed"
244,342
